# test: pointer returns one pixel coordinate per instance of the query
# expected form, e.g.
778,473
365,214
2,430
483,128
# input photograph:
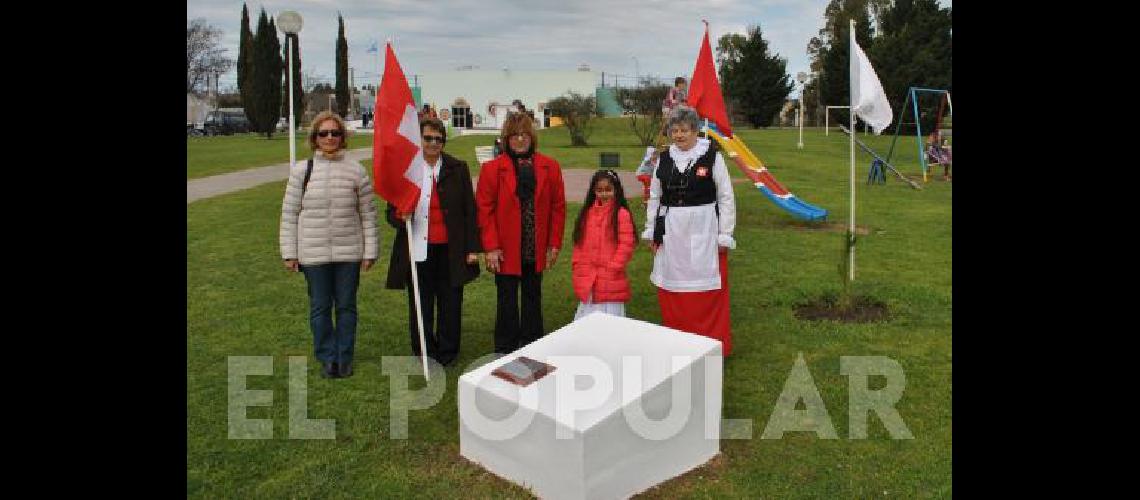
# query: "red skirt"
703,313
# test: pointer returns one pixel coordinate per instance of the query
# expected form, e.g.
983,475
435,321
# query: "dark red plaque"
523,371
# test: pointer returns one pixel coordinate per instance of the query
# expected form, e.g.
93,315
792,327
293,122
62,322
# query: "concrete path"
575,180
214,185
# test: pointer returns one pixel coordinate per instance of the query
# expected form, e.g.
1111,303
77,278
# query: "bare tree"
643,103
203,55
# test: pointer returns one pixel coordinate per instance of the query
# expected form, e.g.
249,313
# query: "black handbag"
659,226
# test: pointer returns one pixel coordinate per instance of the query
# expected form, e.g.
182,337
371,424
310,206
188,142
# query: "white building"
473,98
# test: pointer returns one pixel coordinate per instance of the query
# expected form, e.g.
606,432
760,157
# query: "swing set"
939,133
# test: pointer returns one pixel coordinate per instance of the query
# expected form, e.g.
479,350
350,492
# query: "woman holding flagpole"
690,221
328,231
521,202
452,248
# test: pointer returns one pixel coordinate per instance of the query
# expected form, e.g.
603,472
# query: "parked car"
226,121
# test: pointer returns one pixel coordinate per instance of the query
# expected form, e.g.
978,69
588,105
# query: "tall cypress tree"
298,90
253,94
342,95
265,78
277,72
245,55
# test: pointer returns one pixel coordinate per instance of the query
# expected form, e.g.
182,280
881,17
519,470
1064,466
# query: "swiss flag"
398,167
704,89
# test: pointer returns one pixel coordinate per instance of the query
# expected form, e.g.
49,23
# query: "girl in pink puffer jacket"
604,239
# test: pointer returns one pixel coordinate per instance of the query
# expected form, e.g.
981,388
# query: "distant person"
604,239
328,232
939,153
675,96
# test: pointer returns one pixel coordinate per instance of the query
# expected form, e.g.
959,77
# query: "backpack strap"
308,173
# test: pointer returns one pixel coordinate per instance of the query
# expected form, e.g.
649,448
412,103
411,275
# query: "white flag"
868,100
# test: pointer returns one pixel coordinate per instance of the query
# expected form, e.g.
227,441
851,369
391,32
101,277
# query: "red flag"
704,90
398,166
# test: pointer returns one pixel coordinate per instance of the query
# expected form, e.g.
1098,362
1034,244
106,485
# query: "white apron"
687,260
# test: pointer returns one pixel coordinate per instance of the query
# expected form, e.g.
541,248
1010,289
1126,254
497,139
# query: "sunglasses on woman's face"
325,133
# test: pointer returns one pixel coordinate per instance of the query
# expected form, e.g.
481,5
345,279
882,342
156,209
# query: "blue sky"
623,37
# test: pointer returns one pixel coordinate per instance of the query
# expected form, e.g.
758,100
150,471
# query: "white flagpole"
416,293
851,115
292,126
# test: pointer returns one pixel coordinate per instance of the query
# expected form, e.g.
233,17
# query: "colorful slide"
763,180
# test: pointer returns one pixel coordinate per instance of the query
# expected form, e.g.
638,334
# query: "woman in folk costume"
690,220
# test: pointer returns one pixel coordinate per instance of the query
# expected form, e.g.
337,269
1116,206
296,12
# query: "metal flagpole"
292,127
416,292
851,115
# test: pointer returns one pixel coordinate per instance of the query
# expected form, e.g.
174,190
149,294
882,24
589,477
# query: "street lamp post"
802,77
290,23
636,72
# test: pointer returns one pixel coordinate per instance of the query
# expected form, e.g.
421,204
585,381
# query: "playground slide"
763,180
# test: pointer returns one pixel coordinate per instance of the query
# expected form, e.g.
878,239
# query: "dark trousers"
442,306
333,286
510,332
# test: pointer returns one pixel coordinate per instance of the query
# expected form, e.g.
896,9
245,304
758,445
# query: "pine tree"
342,95
756,81
914,49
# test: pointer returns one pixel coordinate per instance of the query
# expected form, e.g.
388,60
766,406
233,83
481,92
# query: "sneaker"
345,370
329,370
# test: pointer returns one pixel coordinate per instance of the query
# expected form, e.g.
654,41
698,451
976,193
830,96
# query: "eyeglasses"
434,138
520,136
335,133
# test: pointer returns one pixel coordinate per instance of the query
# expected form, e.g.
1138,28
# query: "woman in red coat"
521,203
604,237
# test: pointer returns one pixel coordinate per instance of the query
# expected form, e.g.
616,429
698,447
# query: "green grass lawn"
241,302
206,156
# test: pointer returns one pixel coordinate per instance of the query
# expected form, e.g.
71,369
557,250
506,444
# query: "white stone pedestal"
599,426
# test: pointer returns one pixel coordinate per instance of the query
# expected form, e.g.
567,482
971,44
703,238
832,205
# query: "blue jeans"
333,285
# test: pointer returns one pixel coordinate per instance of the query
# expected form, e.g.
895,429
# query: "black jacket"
457,199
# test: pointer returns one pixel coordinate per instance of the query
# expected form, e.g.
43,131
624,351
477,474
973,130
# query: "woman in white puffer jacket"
328,231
